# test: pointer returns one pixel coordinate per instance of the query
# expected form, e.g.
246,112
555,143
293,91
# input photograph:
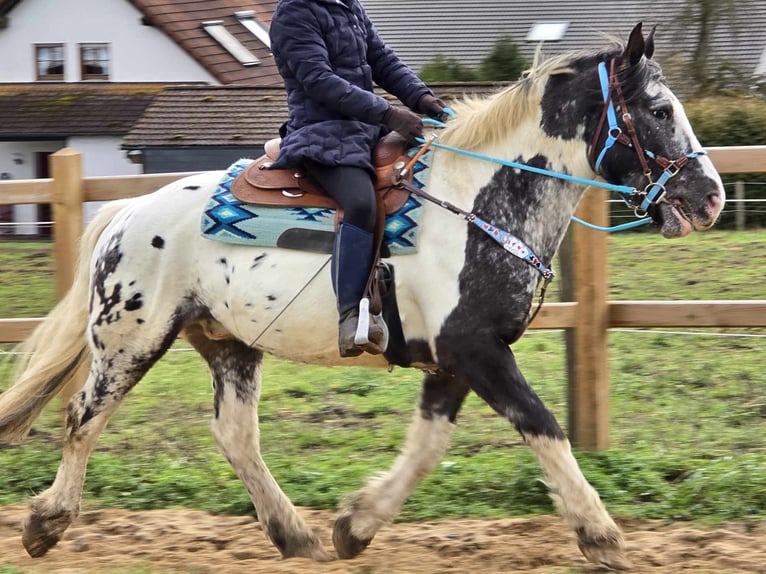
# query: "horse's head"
642,138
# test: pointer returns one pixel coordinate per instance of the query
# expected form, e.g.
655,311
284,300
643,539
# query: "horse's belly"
278,300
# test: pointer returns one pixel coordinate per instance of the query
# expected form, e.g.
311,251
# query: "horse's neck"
538,208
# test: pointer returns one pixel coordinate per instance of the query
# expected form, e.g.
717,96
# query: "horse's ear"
636,47
649,50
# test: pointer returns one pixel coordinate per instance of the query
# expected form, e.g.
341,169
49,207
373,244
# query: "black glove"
402,120
432,106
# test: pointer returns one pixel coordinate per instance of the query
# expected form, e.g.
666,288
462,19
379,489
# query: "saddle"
259,185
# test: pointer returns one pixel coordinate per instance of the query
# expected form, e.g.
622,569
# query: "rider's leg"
353,250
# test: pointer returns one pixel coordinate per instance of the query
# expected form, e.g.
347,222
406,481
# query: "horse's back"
154,255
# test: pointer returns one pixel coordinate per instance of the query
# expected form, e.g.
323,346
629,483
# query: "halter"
654,192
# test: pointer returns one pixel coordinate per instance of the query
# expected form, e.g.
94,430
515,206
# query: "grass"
688,412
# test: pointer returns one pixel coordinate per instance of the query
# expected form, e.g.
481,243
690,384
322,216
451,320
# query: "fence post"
67,189
739,214
587,355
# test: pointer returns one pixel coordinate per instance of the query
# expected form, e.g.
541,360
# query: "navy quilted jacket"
329,53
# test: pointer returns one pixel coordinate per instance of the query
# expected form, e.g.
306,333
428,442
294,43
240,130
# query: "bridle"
654,192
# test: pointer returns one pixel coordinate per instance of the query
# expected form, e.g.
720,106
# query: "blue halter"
654,192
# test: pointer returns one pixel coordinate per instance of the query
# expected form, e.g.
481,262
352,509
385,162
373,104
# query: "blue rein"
621,189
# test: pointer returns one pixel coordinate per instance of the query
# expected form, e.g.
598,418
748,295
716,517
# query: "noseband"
654,192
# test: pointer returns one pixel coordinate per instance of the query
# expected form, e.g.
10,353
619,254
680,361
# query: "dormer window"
94,61
50,62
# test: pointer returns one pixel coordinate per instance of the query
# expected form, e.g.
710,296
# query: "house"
211,126
187,128
466,31
192,84
81,73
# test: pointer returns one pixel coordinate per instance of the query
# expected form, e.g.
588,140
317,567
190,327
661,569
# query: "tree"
504,63
443,69
708,15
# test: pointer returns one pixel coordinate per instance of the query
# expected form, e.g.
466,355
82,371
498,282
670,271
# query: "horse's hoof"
41,533
605,553
316,553
346,544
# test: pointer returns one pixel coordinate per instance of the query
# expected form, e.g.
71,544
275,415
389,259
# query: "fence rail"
588,317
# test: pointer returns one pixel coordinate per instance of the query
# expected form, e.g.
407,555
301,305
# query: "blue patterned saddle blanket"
227,219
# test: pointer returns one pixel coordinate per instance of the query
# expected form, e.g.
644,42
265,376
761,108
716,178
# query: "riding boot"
351,266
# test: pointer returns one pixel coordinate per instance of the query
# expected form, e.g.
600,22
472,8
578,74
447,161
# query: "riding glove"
402,120
431,106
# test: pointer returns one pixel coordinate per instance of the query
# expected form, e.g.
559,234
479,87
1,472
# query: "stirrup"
361,337
377,345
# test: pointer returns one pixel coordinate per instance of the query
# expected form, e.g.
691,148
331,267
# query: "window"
50,61
94,61
248,20
229,42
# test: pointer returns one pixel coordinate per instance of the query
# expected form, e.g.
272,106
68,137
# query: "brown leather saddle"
259,185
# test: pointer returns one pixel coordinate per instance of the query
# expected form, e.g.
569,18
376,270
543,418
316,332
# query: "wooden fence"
587,317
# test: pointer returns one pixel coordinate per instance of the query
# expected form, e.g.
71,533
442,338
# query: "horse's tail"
56,353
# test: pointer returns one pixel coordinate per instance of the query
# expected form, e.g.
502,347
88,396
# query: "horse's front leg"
490,368
375,505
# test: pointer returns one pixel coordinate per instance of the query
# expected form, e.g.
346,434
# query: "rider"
328,54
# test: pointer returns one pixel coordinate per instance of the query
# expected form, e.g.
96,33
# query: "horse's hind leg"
236,372
375,505
119,362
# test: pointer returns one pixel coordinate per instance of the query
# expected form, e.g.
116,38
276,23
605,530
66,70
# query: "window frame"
92,76
48,77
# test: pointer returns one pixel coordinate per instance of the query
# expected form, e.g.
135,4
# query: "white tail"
56,353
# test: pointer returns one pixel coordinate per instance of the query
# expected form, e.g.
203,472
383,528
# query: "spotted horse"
147,276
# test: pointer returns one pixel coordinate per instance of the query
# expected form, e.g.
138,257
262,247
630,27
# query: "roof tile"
233,115
28,110
182,21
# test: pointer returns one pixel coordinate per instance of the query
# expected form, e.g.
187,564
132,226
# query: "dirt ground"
201,543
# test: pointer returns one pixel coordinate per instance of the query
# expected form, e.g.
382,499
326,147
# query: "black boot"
351,265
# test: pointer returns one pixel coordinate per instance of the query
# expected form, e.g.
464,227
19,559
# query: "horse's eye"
662,113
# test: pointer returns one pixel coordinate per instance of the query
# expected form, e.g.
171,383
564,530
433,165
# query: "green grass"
688,412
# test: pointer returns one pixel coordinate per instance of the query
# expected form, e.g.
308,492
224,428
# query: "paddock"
183,539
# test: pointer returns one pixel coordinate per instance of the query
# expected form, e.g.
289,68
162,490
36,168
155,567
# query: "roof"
55,110
235,116
181,21
7,5
467,31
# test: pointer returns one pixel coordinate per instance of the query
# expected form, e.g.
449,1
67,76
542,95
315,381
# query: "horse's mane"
482,120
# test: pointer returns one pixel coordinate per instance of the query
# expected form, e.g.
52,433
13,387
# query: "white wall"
138,53
24,215
102,156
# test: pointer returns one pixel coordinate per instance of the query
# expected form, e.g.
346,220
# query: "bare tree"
704,18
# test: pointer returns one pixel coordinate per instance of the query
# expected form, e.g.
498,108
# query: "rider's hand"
402,120
431,106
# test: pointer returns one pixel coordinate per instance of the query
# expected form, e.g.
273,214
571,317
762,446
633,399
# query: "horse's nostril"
714,200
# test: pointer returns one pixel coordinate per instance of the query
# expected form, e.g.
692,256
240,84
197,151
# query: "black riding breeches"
351,187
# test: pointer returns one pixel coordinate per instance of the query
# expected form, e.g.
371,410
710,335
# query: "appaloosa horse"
147,276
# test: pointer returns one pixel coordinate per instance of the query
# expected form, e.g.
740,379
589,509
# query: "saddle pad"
227,219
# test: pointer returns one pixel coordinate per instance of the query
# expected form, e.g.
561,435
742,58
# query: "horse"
146,276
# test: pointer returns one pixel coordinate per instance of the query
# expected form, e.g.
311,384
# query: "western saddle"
260,185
